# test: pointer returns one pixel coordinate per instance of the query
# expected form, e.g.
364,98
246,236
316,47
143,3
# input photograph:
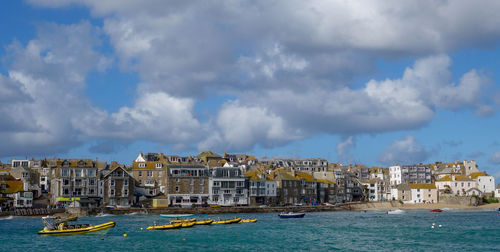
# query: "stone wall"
458,200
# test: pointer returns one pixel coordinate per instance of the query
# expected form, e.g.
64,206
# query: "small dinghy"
436,210
397,211
286,215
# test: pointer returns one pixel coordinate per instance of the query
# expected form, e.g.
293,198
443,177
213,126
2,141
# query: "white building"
458,184
486,184
395,175
227,186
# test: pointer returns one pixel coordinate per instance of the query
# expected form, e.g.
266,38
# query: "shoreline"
381,206
422,206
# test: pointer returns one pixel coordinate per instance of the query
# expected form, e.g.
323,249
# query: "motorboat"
248,220
53,226
287,215
176,215
396,211
183,220
204,222
229,221
166,226
72,218
436,210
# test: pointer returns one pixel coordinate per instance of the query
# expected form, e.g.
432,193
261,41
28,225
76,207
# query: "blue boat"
286,215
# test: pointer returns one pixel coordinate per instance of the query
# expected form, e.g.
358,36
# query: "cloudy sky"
373,82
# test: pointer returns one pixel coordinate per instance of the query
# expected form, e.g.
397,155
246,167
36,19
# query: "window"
112,182
191,181
240,184
418,190
239,191
125,182
91,173
125,192
111,201
142,165
418,195
236,199
91,182
91,191
140,173
66,191
202,181
177,180
150,173
66,182
112,192
124,201
78,173
215,191
159,174
65,172
177,189
158,165
201,189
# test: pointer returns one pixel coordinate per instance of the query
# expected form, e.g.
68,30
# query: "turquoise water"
363,231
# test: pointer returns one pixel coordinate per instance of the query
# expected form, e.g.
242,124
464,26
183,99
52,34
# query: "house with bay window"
228,186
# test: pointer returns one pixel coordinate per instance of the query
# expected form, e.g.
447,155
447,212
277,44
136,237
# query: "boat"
287,215
175,215
183,220
55,227
72,218
436,210
229,221
166,226
248,220
187,224
204,222
397,211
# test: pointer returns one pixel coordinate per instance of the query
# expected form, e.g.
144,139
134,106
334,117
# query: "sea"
372,230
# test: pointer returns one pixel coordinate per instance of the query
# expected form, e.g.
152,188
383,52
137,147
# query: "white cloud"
156,117
495,158
344,148
239,127
406,151
289,65
44,89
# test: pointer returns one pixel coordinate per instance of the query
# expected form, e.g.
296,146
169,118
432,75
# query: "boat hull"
78,230
290,216
183,220
187,224
248,220
204,222
230,221
164,227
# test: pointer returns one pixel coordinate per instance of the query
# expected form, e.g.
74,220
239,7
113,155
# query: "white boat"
397,211
175,215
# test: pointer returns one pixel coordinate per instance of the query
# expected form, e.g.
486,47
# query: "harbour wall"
32,212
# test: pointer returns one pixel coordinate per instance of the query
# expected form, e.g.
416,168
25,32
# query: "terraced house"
289,187
74,180
187,184
116,187
228,186
149,171
262,189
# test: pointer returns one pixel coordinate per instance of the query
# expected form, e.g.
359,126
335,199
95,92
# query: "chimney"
293,173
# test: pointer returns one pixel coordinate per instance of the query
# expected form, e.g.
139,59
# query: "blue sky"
377,83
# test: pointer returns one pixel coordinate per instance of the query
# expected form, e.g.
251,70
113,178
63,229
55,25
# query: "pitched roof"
14,186
305,176
477,174
457,178
422,186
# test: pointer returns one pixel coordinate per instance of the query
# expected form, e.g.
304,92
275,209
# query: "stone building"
187,184
116,187
73,181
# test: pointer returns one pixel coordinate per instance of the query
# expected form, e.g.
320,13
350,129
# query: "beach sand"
397,205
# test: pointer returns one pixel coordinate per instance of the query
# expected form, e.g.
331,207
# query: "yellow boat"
204,222
187,224
183,220
229,221
248,220
72,218
166,226
62,229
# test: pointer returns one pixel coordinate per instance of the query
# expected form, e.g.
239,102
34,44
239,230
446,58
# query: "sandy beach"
397,205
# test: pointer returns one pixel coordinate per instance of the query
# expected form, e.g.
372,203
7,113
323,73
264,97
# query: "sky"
372,82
